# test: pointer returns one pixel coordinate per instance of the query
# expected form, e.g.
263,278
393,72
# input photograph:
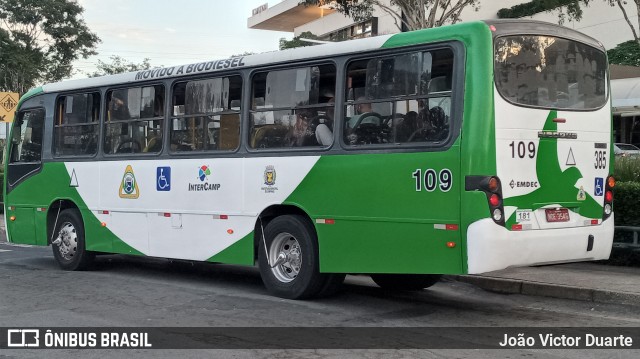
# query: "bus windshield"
550,72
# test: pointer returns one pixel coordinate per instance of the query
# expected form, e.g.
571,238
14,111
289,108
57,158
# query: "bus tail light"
493,185
608,197
494,200
492,188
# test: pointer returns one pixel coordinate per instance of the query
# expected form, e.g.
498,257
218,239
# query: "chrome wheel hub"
67,241
285,257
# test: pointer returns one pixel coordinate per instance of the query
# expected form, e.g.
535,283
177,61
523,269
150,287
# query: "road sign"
8,105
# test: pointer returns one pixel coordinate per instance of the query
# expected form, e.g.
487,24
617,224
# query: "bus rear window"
550,72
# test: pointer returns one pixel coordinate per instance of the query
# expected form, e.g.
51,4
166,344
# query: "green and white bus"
460,149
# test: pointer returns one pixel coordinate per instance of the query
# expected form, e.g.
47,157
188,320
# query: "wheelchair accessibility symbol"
163,179
599,187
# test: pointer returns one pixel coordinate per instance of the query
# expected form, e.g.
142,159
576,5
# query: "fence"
633,245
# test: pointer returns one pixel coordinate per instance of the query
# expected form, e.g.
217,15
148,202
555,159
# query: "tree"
626,53
297,41
407,14
39,40
575,7
620,4
118,65
567,8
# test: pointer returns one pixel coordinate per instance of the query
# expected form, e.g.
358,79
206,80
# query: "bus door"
25,160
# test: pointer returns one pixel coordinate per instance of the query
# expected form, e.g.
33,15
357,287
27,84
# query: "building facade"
599,20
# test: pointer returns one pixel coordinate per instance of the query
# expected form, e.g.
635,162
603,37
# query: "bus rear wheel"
405,281
290,268
68,242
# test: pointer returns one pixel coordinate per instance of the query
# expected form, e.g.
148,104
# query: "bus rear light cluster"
608,197
492,187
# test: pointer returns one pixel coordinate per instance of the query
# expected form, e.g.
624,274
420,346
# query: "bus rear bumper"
492,247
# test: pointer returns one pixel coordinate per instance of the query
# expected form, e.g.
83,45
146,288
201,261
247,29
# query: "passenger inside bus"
302,133
118,109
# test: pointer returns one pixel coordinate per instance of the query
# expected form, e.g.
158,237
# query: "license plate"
557,215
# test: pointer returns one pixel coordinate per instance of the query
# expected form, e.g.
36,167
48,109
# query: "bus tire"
405,281
295,275
69,251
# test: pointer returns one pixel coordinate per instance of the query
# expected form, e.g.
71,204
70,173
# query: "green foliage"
626,53
627,169
626,203
118,65
296,42
627,191
574,10
39,40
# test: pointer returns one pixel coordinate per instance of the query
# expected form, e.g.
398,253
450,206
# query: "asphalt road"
124,291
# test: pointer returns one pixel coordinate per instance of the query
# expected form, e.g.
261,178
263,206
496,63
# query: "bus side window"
76,124
134,120
26,146
206,115
293,108
405,98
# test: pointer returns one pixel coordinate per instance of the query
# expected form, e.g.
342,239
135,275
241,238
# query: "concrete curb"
519,286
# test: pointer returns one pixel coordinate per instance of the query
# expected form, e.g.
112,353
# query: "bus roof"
267,58
303,53
535,27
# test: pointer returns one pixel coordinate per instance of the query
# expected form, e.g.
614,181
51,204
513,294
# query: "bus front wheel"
68,242
405,281
290,267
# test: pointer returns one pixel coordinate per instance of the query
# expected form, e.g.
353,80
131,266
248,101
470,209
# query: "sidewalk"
578,281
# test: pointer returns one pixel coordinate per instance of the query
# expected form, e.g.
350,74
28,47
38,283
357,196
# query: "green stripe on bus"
241,252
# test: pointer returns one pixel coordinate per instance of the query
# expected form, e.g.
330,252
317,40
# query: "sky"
173,32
